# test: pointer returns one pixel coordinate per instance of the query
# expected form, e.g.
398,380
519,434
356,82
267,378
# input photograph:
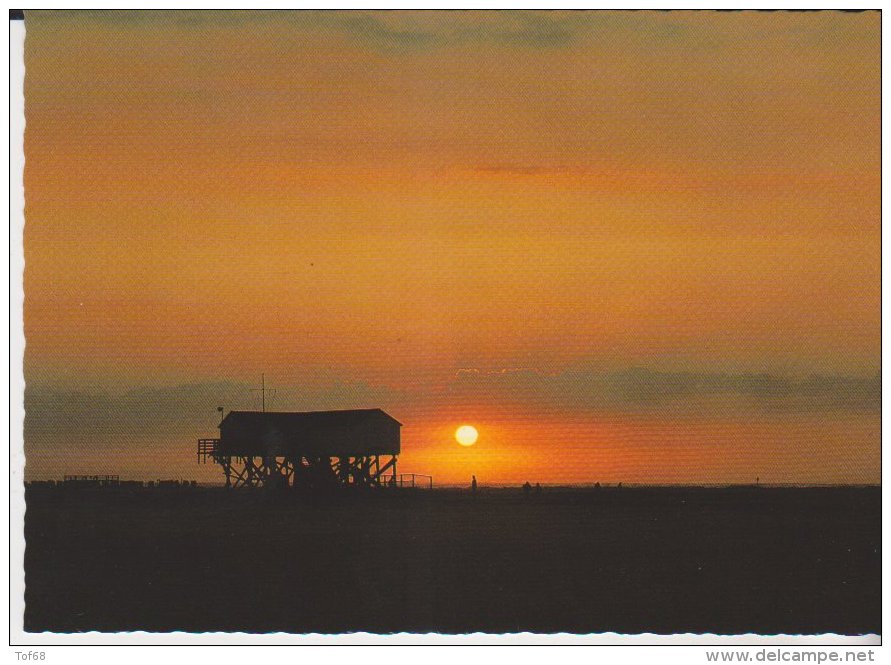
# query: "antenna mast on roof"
262,390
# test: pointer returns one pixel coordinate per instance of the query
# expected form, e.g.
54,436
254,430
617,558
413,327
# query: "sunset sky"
638,247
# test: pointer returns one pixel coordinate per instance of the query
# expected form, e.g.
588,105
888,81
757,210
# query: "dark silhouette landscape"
578,560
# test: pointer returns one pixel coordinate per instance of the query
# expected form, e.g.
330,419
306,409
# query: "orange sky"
366,206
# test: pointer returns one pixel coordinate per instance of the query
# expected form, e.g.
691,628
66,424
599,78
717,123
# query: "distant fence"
110,481
408,480
98,481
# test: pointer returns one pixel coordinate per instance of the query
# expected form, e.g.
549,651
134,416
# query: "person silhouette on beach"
473,485
527,489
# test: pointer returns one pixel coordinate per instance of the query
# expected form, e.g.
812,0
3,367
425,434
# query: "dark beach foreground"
632,560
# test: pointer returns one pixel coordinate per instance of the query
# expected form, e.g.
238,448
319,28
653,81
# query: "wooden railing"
207,448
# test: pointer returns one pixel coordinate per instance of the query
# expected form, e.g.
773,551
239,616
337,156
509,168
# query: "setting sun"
466,435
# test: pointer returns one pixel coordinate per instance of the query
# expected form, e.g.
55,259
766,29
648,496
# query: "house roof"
305,420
